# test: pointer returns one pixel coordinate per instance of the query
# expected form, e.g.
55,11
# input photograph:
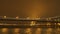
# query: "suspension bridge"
52,22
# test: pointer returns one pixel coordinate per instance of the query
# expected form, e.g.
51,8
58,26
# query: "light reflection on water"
4,30
30,31
38,31
16,31
49,30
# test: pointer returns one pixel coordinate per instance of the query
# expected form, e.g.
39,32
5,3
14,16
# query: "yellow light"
58,23
49,30
5,30
16,30
28,31
38,31
32,23
4,16
17,17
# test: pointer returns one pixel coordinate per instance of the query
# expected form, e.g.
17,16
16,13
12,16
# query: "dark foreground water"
29,30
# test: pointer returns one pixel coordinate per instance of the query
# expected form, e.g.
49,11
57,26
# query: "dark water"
29,30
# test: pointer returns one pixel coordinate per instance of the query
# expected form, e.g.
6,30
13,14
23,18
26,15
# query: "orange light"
17,17
32,23
4,16
58,23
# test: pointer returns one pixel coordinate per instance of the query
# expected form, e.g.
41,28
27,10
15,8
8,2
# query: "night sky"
30,8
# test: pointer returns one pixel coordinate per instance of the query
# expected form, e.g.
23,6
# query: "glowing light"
5,30
38,31
58,23
32,23
49,30
16,31
4,16
28,31
17,17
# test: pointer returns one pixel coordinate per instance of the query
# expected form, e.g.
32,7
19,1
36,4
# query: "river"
29,30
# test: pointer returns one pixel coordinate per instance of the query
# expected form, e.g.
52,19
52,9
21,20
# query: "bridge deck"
38,20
